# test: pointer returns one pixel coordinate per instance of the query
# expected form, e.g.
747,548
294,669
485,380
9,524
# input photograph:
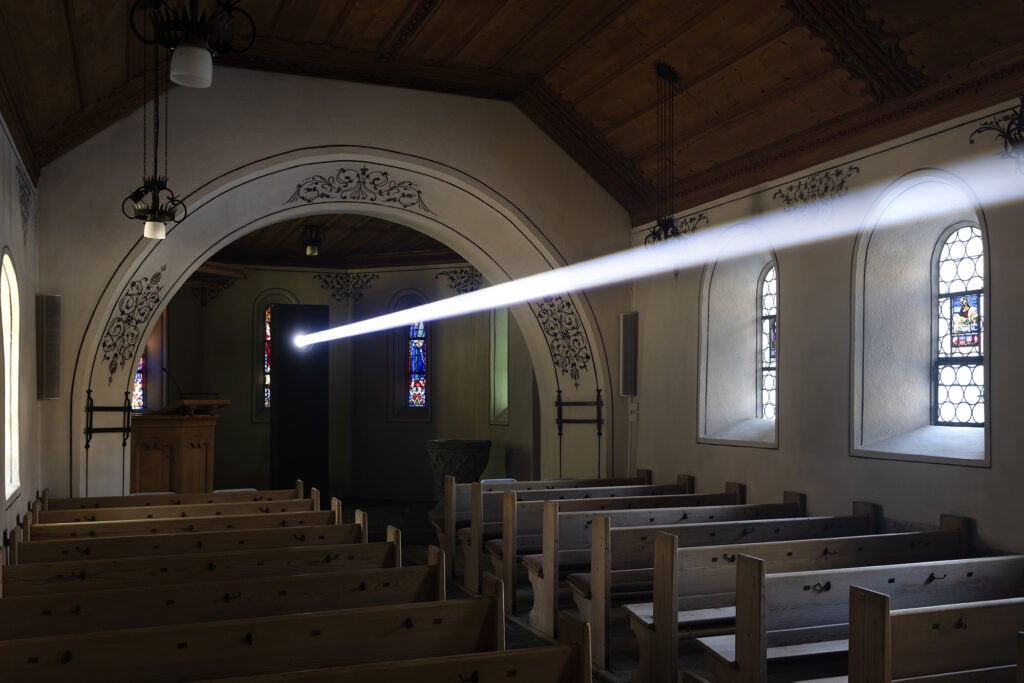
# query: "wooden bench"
794,616
487,508
159,605
141,527
566,541
44,577
110,547
622,564
457,499
971,641
260,645
563,663
143,499
695,588
178,511
522,524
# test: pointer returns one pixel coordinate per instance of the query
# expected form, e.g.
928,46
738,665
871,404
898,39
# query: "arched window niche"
736,368
899,327
10,326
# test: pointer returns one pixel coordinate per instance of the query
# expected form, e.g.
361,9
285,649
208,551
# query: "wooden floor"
412,517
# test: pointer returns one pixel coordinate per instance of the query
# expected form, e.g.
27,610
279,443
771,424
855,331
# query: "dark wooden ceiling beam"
406,28
572,133
861,46
613,13
996,79
325,62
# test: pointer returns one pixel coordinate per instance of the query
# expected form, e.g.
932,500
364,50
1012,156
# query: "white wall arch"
479,223
893,331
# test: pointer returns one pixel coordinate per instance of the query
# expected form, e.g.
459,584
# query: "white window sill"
754,433
950,445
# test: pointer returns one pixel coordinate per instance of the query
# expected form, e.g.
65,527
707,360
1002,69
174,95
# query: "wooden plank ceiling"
768,86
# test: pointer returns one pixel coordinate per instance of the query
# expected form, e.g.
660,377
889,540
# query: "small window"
417,379
261,361
10,320
139,385
266,357
768,298
959,366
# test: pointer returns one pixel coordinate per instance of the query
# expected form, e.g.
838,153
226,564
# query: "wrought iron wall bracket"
90,414
561,419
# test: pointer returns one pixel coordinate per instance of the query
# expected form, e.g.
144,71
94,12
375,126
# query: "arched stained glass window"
10,320
959,366
417,365
768,300
139,386
266,357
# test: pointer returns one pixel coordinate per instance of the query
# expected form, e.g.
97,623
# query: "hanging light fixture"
312,239
667,86
194,36
154,202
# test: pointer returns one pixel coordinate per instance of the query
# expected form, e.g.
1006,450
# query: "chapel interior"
817,207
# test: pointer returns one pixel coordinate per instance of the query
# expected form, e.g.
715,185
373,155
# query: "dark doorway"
299,399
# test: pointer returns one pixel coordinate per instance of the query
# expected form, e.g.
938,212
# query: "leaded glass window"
768,302
959,366
417,374
139,386
266,357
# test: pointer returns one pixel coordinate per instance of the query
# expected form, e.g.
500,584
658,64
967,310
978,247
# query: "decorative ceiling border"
817,187
346,286
463,280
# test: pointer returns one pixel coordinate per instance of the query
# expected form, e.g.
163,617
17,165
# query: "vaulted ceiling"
768,86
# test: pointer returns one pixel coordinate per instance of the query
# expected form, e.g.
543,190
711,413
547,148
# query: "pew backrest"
180,511
143,499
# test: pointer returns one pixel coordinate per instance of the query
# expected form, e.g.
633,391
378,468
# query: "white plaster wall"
815,364
18,238
250,126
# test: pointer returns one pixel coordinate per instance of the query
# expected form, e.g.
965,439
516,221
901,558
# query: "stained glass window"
139,386
959,367
266,357
768,300
417,365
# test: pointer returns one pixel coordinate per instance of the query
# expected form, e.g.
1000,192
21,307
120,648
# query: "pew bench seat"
698,620
627,585
792,644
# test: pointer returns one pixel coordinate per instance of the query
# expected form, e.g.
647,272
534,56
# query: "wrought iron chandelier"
667,87
154,202
312,239
193,35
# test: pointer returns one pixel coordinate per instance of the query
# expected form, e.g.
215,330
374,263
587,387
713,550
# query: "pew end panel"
363,520
1020,657
473,552
510,548
798,499
336,510
394,537
436,557
300,489
46,499
688,481
600,571
447,529
740,490
965,525
872,511
870,637
576,635
314,497
491,587
666,607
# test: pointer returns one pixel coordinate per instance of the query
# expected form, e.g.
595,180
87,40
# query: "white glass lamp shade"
192,66
154,230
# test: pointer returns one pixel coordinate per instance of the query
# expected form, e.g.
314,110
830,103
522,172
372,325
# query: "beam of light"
705,246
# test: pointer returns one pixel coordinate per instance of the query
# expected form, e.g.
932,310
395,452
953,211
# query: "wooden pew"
695,588
794,616
178,511
110,547
457,500
141,527
563,663
259,645
160,605
522,523
566,537
971,641
622,565
143,499
487,508
44,577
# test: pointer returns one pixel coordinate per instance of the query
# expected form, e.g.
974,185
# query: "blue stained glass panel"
417,365
965,323
139,386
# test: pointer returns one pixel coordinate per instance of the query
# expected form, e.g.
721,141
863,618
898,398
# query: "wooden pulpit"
172,450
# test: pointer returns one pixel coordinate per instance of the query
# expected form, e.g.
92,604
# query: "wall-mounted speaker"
48,346
629,331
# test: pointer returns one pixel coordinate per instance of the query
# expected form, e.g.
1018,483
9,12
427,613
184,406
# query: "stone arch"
475,220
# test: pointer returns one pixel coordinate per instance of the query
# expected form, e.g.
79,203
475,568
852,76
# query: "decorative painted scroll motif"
360,185
1010,129
346,286
817,187
134,310
25,196
463,280
667,228
567,341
